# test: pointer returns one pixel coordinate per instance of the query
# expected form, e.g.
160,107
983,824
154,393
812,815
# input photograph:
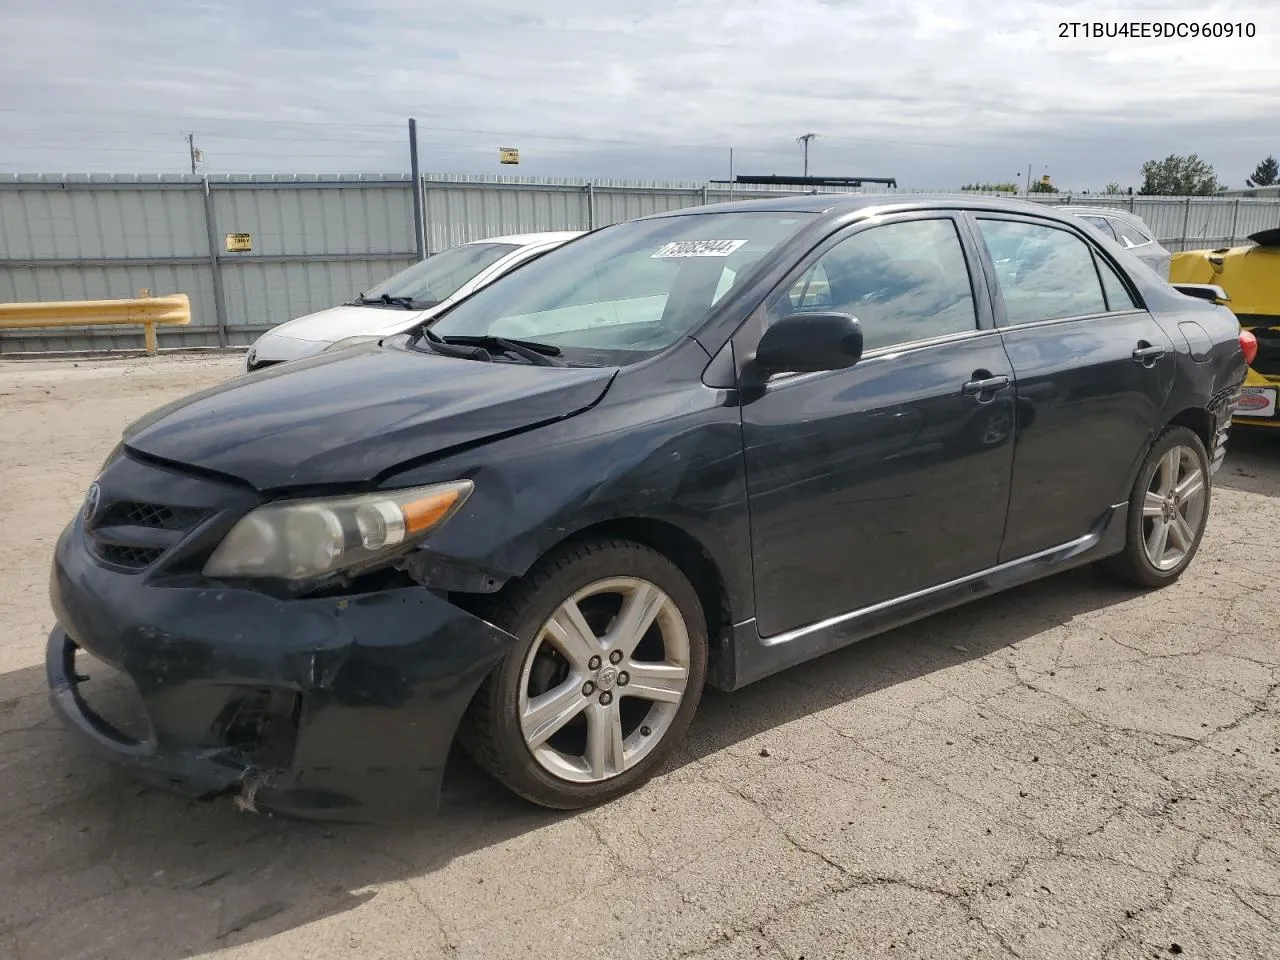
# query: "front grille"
262,364
155,516
134,534
135,558
141,518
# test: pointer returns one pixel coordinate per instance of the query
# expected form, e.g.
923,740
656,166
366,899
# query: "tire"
616,757
1135,564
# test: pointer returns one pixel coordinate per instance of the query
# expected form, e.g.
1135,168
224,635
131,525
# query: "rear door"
891,476
1092,372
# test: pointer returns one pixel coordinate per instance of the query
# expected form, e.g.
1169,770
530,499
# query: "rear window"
1102,223
1128,231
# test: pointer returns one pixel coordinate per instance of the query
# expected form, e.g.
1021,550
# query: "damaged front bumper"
338,708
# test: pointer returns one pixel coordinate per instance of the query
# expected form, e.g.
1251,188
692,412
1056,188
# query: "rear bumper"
335,708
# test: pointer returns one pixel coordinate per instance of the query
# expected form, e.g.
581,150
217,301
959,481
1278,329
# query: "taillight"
1248,345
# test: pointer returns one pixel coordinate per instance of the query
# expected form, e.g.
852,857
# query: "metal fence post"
1132,199
1186,221
419,222
215,268
1235,222
423,184
591,204
705,187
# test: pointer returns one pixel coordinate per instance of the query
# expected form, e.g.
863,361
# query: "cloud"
932,92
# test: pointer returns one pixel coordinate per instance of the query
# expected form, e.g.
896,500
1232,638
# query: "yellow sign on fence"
508,155
239,242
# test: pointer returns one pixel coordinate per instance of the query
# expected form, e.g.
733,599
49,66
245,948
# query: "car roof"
834,205
530,239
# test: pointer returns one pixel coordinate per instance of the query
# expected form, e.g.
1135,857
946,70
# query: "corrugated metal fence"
317,241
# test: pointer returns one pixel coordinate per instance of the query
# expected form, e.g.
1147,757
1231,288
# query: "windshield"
626,291
441,276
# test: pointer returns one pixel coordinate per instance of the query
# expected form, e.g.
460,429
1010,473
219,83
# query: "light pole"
805,141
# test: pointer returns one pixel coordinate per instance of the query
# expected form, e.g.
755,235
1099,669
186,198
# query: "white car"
1130,231
404,300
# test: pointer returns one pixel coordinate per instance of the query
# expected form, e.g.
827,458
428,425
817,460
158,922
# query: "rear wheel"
1168,511
604,681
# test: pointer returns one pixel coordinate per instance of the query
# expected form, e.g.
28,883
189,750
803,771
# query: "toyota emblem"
91,501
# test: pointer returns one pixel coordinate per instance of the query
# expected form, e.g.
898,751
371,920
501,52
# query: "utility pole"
193,151
419,227
805,140
1028,179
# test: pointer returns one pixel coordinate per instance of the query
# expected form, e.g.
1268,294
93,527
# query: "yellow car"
1250,275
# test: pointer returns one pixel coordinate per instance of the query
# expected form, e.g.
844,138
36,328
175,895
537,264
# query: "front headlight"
349,342
307,539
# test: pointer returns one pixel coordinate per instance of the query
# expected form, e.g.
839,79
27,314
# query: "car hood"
338,323
352,416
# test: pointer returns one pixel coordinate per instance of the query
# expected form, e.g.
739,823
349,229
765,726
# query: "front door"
1092,372
891,476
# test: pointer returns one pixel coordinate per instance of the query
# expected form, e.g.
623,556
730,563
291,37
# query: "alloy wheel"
1173,508
604,679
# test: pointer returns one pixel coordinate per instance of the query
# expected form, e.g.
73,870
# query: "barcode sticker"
696,248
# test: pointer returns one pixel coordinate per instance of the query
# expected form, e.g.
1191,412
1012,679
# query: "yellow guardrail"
145,311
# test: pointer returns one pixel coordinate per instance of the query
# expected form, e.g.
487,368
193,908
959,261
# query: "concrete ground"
1066,771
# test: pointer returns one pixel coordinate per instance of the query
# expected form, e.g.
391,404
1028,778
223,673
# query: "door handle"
989,385
1146,354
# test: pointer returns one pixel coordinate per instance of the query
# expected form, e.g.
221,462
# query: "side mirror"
809,343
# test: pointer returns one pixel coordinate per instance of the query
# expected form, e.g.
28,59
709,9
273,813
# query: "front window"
905,282
440,276
627,291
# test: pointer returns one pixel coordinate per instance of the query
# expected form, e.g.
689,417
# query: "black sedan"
692,449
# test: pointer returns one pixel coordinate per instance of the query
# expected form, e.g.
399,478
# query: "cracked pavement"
1066,770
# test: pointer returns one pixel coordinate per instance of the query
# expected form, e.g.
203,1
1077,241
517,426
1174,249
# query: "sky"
937,93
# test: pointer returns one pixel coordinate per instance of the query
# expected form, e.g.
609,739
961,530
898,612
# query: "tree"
1113,188
1040,186
1176,176
1265,174
991,187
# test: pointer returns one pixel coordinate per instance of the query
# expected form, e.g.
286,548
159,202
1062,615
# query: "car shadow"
1253,461
98,859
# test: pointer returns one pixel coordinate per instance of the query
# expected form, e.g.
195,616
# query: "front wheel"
1168,511
604,680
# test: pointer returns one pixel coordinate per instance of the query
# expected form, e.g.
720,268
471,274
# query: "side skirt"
752,657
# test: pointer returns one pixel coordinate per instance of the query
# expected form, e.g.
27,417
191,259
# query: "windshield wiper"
542,354
452,350
390,301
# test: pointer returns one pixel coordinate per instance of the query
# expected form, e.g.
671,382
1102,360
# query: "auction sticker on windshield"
696,248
